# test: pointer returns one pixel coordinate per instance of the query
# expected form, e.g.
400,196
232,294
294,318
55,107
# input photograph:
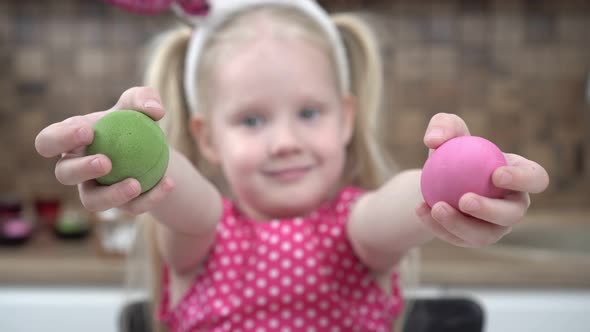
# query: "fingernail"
504,178
434,133
442,212
471,205
95,163
130,189
82,135
152,103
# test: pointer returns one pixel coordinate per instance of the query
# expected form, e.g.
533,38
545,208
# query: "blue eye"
309,113
252,121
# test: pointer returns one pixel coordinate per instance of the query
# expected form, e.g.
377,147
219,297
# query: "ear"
349,109
200,130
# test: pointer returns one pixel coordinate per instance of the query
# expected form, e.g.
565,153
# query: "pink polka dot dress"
296,274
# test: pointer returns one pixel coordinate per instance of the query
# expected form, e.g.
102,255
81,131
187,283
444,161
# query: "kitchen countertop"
503,265
445,265
48,261
45,259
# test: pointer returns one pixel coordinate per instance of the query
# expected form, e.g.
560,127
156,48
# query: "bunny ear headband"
219,11
152,7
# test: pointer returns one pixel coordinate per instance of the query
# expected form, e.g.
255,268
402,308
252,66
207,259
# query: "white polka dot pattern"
285,275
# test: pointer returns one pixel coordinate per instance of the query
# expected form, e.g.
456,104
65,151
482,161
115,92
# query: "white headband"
222,10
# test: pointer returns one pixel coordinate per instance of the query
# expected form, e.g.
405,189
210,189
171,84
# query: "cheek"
241,162
329,144
241,157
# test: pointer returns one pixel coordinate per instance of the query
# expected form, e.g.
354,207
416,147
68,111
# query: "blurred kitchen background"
518,72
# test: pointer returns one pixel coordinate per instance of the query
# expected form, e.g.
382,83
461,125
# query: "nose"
285,140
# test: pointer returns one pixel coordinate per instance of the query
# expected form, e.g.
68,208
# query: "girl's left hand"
484,220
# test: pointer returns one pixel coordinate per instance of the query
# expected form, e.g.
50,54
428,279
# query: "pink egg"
461,165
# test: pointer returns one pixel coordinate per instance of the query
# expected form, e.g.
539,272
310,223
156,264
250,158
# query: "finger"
424,213
442,127
143,99
506,211
149,199
521,174
71,171
475,232
95,197
64,136
76,132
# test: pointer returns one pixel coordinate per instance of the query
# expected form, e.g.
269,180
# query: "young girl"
307,226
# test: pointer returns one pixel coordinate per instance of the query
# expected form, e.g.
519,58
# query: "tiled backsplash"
516,71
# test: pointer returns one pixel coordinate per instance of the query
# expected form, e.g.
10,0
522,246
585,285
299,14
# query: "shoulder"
230,213
346,198
350,193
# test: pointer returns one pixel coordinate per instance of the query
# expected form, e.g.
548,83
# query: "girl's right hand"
69,139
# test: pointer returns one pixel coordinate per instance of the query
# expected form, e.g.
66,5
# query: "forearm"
384,224
193,199
182,253
188,216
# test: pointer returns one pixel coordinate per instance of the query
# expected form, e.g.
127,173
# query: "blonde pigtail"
368,164
164,73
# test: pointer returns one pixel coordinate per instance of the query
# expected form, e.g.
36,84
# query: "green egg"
136,146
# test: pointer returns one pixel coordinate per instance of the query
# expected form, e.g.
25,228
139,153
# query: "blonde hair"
367,165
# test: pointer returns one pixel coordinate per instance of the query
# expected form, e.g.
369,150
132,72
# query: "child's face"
279,127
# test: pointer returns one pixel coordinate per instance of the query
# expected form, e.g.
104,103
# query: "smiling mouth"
288,174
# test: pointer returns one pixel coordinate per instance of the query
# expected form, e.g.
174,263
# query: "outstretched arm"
187,215
186,205
386,223
383,224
